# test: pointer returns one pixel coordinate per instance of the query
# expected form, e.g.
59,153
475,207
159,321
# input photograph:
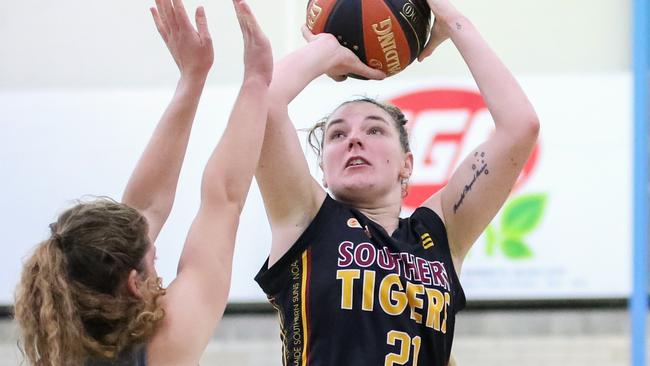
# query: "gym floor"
486,338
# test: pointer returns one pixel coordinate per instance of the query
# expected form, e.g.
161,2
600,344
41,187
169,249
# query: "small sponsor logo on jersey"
354,223
427,242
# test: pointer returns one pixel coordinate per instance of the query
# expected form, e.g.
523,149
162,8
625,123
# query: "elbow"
522,133
528,129
226,199
532,126
154,207
235,200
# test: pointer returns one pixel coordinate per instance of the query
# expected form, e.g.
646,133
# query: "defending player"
90,293
354,283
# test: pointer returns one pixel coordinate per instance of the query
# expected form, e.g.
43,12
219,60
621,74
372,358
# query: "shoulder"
430,219
332,217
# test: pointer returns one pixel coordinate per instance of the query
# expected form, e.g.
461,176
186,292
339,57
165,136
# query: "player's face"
362,155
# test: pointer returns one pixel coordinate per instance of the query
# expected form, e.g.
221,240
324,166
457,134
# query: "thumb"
433,43
367,72
306,33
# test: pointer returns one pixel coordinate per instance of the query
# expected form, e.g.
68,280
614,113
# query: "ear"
407,166
133,283
324,180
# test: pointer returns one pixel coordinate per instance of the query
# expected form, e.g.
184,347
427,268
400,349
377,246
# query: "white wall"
70,69
91,43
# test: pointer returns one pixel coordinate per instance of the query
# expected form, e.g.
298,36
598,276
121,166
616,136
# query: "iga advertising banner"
565,231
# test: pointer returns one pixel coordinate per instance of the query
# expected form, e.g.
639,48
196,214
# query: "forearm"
296,70
152,184
283,173
229,172
511,110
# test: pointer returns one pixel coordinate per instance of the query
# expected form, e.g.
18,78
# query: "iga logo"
444,126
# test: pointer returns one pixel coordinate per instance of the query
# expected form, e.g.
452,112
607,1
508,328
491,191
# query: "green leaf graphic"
522,214
516,249
490,239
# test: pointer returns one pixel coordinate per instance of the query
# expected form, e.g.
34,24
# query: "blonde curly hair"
72,302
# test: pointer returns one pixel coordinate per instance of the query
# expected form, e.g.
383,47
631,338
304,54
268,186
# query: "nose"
354,142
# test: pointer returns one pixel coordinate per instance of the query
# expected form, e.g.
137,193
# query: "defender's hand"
190,47
258,57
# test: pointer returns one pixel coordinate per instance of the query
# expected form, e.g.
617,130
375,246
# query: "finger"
161,14
432,44
247,21
361,69
244,13
167,12
181,15
306,33
202,24
434,41
426,52
160,26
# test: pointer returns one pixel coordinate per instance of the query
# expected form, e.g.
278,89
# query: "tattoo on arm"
479,167
458,26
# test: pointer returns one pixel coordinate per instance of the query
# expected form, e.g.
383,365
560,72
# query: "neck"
388,217
383,212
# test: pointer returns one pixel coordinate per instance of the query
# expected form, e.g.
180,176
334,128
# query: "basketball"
385,34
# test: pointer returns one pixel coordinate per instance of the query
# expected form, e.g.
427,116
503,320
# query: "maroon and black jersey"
348,293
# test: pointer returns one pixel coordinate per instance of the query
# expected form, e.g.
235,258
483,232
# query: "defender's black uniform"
136,356
350,294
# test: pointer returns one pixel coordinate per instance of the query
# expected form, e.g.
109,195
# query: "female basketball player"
355,284
90,293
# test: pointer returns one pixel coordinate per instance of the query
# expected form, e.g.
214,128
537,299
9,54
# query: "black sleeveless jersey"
347,293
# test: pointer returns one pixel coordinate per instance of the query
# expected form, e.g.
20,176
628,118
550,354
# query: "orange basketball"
385,34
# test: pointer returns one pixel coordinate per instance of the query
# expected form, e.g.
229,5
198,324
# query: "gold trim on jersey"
305,330
427,242
283,332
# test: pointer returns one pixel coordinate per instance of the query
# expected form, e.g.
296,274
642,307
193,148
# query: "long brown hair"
72,302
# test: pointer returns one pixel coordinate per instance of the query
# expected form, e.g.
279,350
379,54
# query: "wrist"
190,85
256,80
453,21
193,78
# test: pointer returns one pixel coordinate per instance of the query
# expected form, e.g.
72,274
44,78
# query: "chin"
354,192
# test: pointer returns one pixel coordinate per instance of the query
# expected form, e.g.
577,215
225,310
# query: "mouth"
356,161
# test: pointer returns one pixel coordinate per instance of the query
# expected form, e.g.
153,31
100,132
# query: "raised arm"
152,186
483,181
291,196
196,299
